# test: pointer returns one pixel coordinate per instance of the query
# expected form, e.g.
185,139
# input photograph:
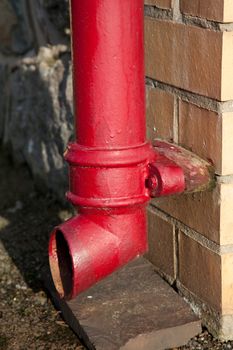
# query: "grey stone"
58,12
15,31
36,113
26,25
3,97
8,21
39,122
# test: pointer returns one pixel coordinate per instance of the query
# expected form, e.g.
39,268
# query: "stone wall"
36,119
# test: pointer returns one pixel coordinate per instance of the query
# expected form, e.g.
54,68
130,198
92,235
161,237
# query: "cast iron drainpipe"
113,171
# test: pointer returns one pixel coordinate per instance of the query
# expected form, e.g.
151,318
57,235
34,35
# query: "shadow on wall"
36,117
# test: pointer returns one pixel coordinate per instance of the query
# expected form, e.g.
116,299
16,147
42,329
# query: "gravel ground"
205,341
28,319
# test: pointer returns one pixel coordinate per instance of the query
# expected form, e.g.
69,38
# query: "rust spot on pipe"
61,264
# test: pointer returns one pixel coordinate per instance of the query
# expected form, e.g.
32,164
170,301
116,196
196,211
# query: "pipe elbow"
92,245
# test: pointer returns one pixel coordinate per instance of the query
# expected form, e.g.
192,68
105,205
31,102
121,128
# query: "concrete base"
220,326
133,309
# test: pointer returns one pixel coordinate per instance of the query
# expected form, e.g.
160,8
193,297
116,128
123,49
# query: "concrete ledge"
132,309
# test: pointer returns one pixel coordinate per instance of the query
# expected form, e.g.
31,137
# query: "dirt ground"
28,319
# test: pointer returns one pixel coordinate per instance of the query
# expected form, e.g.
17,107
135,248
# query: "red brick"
200,271
160,110
164,4
162,245
206,274
209,213
200,130
182,55
208,134
203,8
199,211
220,11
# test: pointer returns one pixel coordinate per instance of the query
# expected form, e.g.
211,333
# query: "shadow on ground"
28,319
27,219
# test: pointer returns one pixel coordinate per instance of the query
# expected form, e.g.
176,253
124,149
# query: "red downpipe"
109,162
108,58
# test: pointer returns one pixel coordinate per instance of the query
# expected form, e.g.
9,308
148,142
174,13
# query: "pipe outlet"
92,245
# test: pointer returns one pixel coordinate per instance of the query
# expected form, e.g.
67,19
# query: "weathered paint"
111,161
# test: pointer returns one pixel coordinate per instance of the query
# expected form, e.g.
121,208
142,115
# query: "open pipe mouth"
88,247
61,265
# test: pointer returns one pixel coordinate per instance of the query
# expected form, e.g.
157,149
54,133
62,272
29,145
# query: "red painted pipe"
109,161
90,246
113,170
108,57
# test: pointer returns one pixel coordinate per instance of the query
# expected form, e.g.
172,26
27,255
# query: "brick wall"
189,69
